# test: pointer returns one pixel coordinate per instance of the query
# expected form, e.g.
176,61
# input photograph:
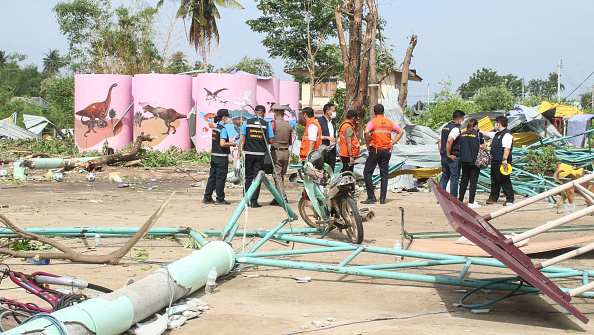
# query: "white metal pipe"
579,290
567,255
550,225
585,193
65,281
538,197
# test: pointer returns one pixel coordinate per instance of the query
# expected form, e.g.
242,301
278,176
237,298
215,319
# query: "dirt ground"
273,302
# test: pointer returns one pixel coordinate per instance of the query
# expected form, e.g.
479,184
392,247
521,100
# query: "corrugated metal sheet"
13,132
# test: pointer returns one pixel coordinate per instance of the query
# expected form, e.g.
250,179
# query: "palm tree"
203,15
51,62
3,59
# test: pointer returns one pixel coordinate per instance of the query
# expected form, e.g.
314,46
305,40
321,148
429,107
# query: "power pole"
428,96
559,82
592,98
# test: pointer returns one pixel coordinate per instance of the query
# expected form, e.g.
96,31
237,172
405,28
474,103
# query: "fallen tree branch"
69,254
96,164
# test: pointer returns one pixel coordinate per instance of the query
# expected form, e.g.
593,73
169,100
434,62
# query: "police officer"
312,136
378,138
255,136
281,155
348,141
501,150
328,127
219,160
449,150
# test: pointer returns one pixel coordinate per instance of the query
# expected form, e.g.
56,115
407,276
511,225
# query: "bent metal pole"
116,312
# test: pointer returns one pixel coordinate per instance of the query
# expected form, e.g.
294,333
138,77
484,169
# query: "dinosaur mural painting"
166,114
97,110
92,123
214,96
138,118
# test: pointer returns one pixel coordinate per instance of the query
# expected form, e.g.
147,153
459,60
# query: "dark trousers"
450,171
253,165
345,164
500,181
330,158
219,166
377,157
470,173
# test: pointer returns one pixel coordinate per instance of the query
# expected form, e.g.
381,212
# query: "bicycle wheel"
352,219
308,213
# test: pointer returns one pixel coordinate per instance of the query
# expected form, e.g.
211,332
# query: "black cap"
260,108
352,113
222,112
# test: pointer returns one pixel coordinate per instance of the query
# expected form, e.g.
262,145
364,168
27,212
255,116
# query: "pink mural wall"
268,93
289,96
100,101
213,91
163,106
162,103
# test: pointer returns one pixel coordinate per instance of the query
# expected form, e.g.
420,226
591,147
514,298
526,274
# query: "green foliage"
102,40
19,81
546,88
586,102
65,148
532,100
296,31
59,92
25,245
19,107
339,102
494,98
257,66
542,160
489,78
300,130
173,157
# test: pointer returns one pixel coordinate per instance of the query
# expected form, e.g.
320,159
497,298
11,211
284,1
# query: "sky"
455,38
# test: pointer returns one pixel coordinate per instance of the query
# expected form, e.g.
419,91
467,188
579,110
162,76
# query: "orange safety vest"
343,140
305,140
381,136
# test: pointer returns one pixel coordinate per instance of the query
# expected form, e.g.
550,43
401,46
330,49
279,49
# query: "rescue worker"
312,136
348,141
255,136
378,139
219,160
328,127
281,155
501,150
449,150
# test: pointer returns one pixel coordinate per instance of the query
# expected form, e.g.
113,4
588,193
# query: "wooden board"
449,247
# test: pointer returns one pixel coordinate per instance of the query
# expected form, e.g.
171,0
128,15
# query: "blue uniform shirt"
244,131
223,131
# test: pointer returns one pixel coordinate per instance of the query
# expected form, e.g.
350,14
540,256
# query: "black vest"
256,138
217,150
445,132
469,146
497,147
325,130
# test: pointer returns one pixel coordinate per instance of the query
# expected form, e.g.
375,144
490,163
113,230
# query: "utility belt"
279,148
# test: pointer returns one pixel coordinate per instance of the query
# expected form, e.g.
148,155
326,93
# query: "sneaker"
474,205
222,202
383,202
508,203
471,206
489,202
274,203
369,201
255,205
208,201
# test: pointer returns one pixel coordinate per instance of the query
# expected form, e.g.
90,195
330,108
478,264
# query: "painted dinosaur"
97,110
91,124
138,118
166,114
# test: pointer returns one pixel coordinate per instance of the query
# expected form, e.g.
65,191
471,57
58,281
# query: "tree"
203,16
545,88
479,79
102,40
3,59
586,101
405,66
494,98
178,63
356,53
59,92
51,62
257,66
297,31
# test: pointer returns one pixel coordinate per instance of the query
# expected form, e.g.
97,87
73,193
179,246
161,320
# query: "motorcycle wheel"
352,219
308,213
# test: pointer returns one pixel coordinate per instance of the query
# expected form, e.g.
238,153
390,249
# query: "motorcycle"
333,206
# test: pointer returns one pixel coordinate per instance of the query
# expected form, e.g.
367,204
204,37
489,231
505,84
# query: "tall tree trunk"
203,45
355,56
312,85
405,67
373,80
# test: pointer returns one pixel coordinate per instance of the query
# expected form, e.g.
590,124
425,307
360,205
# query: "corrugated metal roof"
13,132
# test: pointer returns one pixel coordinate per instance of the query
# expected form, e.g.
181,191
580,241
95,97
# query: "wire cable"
61,328
496,281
